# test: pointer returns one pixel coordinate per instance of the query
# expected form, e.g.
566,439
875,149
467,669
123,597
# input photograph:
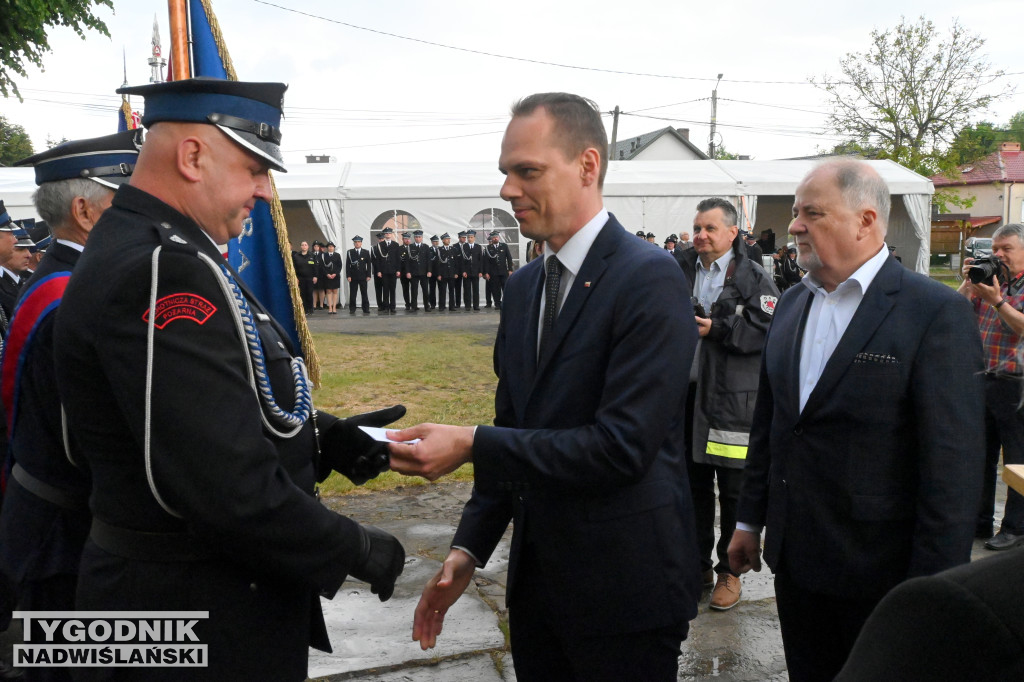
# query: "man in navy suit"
587,451
866,449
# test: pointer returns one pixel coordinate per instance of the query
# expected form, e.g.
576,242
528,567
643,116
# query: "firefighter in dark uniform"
445,271
45,517
472,270
357,271
305,264
417,268
407,274
319,291
188,403
432,279
387,263
459,279
497,266
378,281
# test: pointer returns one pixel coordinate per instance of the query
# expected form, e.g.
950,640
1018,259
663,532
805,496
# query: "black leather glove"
349,451
381,562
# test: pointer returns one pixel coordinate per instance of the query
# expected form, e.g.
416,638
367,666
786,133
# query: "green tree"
14,143
51,143
911,92
974,142
721,154
23,25
1016,127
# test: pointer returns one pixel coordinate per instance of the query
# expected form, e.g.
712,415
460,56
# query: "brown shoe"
708,578
727,592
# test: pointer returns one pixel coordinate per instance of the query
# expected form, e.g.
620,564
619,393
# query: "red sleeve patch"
183,306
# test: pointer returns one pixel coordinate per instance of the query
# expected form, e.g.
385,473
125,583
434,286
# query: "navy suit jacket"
879,478
587,451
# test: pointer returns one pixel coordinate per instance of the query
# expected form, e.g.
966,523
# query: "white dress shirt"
571,256
827,321
74,245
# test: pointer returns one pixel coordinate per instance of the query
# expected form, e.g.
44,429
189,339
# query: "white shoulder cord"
149,382
64,436
236,316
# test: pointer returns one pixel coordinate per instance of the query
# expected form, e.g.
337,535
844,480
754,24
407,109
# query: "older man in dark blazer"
866,450
587,451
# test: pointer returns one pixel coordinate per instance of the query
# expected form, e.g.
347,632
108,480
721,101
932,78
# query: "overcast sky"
362,95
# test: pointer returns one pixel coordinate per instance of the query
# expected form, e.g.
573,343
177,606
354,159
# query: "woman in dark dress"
332,277
319,296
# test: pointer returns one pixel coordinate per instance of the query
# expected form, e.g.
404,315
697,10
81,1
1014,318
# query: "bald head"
861,187
840,214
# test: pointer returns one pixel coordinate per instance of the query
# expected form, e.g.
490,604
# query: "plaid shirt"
1000,343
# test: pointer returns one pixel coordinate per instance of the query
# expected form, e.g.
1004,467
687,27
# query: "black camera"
983,269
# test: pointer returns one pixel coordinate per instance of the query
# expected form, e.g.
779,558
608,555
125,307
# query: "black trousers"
405,292
1004,428
358,284
378,288
447,287
388,285
457,286
416,284
702,488
497,284
432,291
471,291
818,630
488,287
543,651
306,292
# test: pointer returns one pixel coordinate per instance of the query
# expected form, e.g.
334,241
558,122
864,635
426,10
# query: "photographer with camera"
995,285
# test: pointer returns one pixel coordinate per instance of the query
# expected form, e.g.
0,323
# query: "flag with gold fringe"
261,254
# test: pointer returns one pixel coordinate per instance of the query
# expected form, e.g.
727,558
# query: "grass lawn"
444,377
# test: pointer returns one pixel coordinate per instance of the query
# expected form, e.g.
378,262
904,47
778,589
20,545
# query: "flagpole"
179,39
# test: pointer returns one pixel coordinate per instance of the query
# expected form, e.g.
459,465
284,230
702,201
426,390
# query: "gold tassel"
277,216
126,113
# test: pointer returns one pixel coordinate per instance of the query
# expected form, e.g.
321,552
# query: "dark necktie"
552,290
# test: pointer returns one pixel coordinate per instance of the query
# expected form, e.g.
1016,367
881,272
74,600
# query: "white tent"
337,201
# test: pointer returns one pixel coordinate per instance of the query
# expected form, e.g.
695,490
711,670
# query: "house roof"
627,149
983,220
999,166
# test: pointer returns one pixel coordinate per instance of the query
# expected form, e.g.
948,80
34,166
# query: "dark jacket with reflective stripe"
730,359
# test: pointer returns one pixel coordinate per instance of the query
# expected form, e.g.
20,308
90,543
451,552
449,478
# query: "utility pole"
615,132
714,117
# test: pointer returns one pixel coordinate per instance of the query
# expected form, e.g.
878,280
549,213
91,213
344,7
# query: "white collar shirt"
829,317
571,256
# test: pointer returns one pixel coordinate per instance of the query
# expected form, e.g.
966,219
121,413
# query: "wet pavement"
372,641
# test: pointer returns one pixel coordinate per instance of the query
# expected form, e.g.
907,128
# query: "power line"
389,144
495,55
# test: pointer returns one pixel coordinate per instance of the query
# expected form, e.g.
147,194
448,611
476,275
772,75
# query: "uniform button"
253,587
280,344
798,431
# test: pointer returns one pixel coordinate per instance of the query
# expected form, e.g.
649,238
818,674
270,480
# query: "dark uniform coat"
729,360
497,260
41,533
9,289
238,530
357,264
